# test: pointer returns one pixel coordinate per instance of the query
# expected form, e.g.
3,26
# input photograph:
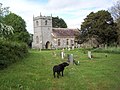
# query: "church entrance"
47,46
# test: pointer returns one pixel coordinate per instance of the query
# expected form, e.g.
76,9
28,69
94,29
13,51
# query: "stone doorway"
47,46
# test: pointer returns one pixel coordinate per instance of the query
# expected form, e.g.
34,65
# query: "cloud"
72,11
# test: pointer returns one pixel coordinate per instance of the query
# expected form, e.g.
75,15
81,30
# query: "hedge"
10,52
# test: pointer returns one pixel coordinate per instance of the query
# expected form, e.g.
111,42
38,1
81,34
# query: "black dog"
59,68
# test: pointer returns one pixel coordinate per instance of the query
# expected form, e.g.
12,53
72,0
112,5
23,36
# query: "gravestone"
70,58
89,55
62,53
72,47
69,49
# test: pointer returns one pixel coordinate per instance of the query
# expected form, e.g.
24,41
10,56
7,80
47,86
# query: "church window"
37,39
45,22
58,42
67,43
37,23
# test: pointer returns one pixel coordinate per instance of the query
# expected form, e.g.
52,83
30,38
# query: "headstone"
78,62
72,47
89,55
105,46
69,49
70,58
78,45
62,55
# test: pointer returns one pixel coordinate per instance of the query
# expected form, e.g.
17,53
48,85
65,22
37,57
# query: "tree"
6,31
58,22
115,11
19,25
100,25
3,12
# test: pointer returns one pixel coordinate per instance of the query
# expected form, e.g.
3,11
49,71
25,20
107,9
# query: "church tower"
42,32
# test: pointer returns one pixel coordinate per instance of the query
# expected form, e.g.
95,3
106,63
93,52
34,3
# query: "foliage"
31,40
11,52
6,32
100,25
115,11
118,25
3,11
35,72
58,22
19,25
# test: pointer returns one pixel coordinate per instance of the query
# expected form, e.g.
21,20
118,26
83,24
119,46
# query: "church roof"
64,32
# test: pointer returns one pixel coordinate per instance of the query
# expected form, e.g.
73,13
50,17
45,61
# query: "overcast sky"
72,11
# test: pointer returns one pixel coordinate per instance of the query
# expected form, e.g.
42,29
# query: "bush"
11,52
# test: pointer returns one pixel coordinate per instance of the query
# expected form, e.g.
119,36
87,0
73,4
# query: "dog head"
65,64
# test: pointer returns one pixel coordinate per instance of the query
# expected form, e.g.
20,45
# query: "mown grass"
115,50
35,72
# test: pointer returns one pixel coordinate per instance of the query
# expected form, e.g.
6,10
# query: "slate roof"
64,32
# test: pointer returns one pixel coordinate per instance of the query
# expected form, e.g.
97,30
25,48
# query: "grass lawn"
35,72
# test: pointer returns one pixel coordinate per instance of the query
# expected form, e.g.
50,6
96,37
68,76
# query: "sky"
72,11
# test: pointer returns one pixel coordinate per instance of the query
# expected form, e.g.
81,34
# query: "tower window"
45,22
37,23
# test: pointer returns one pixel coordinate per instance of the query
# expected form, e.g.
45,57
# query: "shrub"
11,52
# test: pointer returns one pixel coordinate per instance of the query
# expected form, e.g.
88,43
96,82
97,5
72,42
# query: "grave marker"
62,53
70,58
89,55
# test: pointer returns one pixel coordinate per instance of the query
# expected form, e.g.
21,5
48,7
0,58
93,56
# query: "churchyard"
35,72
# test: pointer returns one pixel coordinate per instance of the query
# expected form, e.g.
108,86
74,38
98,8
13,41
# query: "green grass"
115,50
35,72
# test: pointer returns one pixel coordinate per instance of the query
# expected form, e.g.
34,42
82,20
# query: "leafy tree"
6,31
3,12
115,11
19,25
58,22
101,25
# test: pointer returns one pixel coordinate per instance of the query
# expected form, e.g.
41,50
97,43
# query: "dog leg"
54,74
58,73
62,73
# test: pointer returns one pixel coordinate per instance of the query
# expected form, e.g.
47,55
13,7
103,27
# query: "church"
47,37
